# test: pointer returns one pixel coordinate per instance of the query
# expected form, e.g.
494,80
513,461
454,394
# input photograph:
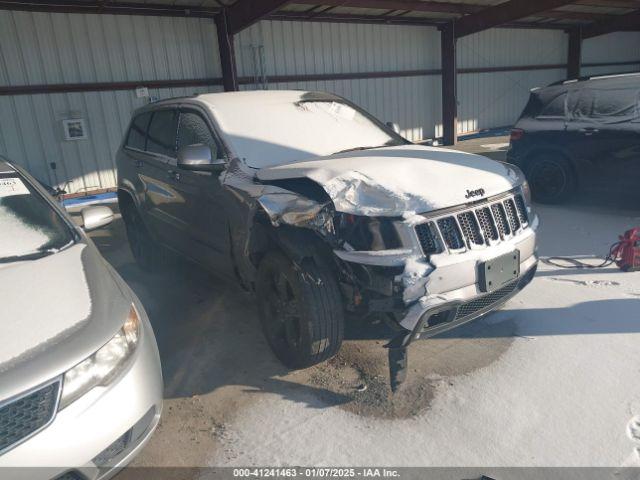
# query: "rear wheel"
551,178
301,310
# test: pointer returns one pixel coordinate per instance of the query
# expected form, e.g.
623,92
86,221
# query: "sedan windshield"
30,227
268,128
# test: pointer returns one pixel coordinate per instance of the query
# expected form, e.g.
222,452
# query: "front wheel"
551,178
301,310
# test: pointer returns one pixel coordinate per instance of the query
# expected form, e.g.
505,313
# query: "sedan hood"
393,181
56,311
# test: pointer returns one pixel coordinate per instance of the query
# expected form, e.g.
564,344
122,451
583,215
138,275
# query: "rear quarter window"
555,107
137,136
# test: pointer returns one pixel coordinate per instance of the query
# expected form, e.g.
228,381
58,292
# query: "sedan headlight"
101,367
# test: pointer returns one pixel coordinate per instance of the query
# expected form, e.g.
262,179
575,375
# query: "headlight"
101,367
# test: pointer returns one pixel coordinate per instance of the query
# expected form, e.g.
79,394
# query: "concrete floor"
217,366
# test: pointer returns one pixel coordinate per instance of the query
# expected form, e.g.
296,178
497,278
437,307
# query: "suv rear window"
138,132
162,133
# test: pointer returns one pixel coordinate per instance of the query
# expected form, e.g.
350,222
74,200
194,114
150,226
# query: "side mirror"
394,126
198,158
96,217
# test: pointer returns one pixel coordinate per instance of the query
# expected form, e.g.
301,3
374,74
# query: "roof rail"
594,77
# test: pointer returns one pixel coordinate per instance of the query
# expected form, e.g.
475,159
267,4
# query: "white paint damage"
41,301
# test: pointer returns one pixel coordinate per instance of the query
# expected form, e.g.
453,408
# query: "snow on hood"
391,181
40,301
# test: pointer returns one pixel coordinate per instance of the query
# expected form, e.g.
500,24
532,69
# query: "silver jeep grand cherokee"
320,209
80,378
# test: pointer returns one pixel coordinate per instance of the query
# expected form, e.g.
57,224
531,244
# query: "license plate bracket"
497,272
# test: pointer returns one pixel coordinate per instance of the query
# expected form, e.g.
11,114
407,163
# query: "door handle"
589,130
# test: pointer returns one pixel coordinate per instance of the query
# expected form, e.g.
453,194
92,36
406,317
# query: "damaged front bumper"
441,290
447,314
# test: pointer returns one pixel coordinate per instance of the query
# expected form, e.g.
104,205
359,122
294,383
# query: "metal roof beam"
244,13
630,21
446,7
394,20
110,8
503,13
413,5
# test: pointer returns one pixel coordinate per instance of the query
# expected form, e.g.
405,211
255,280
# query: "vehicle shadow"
207,330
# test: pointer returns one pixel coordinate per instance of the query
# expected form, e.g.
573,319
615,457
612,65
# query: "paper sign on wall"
12,186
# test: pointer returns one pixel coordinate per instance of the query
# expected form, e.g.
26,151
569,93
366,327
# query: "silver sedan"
80,378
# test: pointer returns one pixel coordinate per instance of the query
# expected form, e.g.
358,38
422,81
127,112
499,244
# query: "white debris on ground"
565,393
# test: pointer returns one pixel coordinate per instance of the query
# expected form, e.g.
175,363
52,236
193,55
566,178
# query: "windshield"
283,127
31,228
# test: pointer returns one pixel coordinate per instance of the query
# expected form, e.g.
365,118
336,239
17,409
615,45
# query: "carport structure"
438,68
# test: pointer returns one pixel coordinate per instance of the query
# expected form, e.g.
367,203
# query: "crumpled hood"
391,181
55,299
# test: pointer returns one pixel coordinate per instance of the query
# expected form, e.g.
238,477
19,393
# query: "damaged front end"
384,263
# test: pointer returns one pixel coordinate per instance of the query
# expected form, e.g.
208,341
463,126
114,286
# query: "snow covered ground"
564,393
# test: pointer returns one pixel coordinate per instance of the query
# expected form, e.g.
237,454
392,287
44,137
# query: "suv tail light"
516,134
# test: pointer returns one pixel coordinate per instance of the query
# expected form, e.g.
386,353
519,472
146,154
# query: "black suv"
580,134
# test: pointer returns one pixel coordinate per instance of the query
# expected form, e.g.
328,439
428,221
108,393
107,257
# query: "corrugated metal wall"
496,99
614,47
296,48
43,48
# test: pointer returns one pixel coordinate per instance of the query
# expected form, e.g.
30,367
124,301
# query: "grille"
485,301
470,227
522,209
486,223
514,221
426,238
490,222
501,219
450,233
24,416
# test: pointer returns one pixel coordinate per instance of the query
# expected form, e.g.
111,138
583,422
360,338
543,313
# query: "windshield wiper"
30,256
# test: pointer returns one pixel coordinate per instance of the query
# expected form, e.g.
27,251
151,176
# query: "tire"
145,250
551,178
301,310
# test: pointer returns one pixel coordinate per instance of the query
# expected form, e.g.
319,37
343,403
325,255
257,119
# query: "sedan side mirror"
96,217
394,126
198,158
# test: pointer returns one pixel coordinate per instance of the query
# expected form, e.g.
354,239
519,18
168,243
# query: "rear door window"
616,104
162,133
137,137
194,130
580,104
